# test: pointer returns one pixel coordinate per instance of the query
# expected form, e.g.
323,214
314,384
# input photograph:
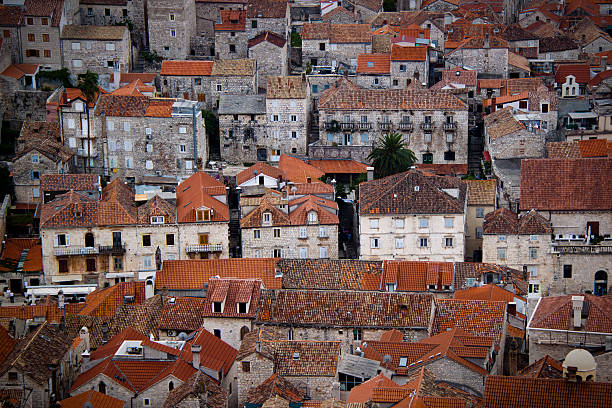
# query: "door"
117,239
16,286
262,155
601,283
347,139
593,228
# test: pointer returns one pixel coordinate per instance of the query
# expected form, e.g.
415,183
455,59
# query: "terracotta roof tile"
14,248
444,169
285,87
194,273
201,191
231,20
373,64
481,192
186,68
299,171
43,137
582,73
465,77
333,274
303,358
230,292
7,343
182,314
105,302
90,32
506,392
546,367
251,339
416,276
268,36
275,385
95,398
399,53
555,313
502,122
345,309
551,184
236,67
518,61
11,15
338,33
65,182
156,206
337,11
199,385
397,194
600,76
338,166
311,188
486,292
216,354
557,43
563,150
326,210
266,8
504,221
476,317
593,148
259,168
18,71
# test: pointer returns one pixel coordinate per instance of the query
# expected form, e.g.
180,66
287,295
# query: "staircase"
140,63
475,148
313,134
235,237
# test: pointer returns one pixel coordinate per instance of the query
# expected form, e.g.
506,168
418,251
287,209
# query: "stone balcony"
405,126
582,249
386,126
427,126
75,251
450,126
204,248
363,126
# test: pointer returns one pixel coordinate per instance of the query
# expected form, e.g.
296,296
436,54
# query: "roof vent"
172,300
296,356
128,298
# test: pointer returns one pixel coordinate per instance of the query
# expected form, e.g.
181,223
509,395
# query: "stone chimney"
195,351
84,335
370,171
577,304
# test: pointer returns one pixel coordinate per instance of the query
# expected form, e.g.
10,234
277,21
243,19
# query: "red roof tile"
504,221
476,317
216,354
486,292
332,274
416,276
231,20
593,148
201,191
582,72
95,398
230,292
338,166
555,313
546,367
268,36
186,68
299,171
373,64
399,53
104,302
182,314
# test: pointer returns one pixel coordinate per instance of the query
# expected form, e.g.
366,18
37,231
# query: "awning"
582,115
66,278
120,275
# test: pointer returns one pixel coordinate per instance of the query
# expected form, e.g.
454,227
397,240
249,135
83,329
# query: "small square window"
448,242
217,332
533,253
321,46
277,232
399,223
170,239
246,366
146,240
232,48
448,222
423,242
217,307
423,222
479,212
256,234
147,402
374,223
171,17
501,254
374,243
567,271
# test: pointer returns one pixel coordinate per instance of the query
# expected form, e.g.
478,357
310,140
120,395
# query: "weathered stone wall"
557,344
161,27
287,126
277,25
94,56
260,369
448,370
357,153
26,105
241,138
290,242
599,45
112,388
27,184
208,14
334,53
405,72
54,61
373,81
488,61
518,145
271,61
230,328
11,44
604,367
225,39
38,396
473,243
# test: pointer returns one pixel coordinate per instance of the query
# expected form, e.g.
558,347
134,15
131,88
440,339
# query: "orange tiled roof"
311,188
399,53
104,302
259,168
546,367
186,68
373,64
504,221
593,148
18,71
135,88
216,354
95,398
338,166
299,171
275,385
7,343
286,87
194,273
486,292
307,204
201,191
314,358
231,292
333,274
481,192
182,314
416,276
555,313
231,20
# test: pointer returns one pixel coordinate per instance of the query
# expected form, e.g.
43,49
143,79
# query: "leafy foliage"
151,57
391,156
88,84
389,5
212,131
60,75
296,40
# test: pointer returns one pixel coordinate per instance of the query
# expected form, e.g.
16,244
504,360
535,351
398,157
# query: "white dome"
581,359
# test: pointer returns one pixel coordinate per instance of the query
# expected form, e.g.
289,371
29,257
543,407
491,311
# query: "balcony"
363,126
332,126
111,249
347,126
204,248
427,126
84,153
75,251
405,126
450,126
582,249
385,126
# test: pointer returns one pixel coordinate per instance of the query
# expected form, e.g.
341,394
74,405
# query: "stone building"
522,243
52,185
99,49
577,203
335,45
104,13
39,152
306,227
206,81
561,323
21,264
340,15
488,55
270,50
413,216
170,27
433,124
208,14
268,15
482,199
507,138
11,18
373,71
409,64
242,127
138,136
229,308
288,113
231,38
311,366
556,48
366,9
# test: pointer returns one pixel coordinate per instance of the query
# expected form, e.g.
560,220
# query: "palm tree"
88,84
391,156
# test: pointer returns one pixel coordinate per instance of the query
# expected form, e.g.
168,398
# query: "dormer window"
217,307
390,287
242,307
203,215
403,362
312,217
78,106
266,218
157,219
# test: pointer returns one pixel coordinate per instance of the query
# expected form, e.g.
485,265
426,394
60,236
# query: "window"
274,118
544,108
188,164
246,366
7,34
148,262
448,222
423,222
501,254
45,37
77,63
107,12
399,243
448,242
399,223
402,68
567,271
35,175
501,238
30,21
478,232
129,163
303,253
217,332
374,243
479,212
277,232
256,234
32,53
217,307
277,253
170,239
370,64
449,156
423,242
219,87
182,148
146,240
34,158
171,17
315,89
203,239
118,263
294,118
428,157
44,21
253,23
62,265
90,264
357,334
321,46
62,240
323,232
110,46
232,48
149,149
157,219
534,288
13,377
374,223
323,252
32,38
522,104
35,192
149,165
126,128
294,134
172,33
75,45
533,270
47,53
533,253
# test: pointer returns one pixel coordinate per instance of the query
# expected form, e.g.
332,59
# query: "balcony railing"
332,126
385,125
427,126
347,126
85,153
205,248
112,249
363,126
75,251
405,125
582,249
450,126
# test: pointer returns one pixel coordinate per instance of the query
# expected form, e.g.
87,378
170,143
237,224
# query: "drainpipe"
195,138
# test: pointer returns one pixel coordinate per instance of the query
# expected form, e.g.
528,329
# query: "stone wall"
260,369
230,328
405,72
208,14
357,153
52,46
241,138
271,61
26,182
604,367
276,25
224,40
11,44
113,389
472,242
558,343
448,370
166,18
26,106
333,53
94,56
518,145
492,62
290,242
285,134
187,87
598,45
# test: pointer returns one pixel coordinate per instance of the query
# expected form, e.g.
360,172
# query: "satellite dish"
182,336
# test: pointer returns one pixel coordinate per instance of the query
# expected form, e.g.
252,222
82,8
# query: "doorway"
601,283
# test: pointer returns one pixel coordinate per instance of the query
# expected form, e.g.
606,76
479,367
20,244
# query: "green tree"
391,156
212,131
88,84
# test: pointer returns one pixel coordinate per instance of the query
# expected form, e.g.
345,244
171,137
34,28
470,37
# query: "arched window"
89,240
102,387
601,283
243,332
170,386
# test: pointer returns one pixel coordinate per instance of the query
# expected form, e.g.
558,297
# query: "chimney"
149,288
195,352
512,308
84,335
604,62
577,304
116,79
258,346
571,374
370,171
486,41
